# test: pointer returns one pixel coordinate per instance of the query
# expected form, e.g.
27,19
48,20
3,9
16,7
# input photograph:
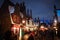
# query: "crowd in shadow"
8,35
46,35
40,35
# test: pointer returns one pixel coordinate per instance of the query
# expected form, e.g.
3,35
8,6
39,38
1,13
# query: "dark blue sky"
40,8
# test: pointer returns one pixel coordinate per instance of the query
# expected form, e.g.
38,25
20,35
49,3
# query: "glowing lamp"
23,21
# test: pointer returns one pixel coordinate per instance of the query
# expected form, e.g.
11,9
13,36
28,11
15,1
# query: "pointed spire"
27,12
38,19
7,2
23,3
55,12
23,8
30,13
17,9
17,4
35,20
54,6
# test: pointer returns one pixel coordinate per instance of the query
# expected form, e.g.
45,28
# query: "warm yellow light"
31,29
35,28
42,26
27,27
55,21
54,27
26,36
23,21
14,29
46,28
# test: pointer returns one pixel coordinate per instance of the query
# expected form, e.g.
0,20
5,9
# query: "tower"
55,18
30,13
23,8
17,9
55,12
27,13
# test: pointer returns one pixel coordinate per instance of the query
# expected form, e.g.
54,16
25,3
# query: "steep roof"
6,3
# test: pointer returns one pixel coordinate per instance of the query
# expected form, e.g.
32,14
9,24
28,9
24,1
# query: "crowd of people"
35,35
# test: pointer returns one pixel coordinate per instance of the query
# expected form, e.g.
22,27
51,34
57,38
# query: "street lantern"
55,22
42,26
23,21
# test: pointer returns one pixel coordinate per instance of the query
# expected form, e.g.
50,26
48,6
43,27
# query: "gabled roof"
7,2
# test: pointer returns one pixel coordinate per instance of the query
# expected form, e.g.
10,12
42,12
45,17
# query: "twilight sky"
40,8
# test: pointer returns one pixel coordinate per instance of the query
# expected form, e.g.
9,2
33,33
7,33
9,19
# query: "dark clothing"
7,35
49,35
42,35
31,37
